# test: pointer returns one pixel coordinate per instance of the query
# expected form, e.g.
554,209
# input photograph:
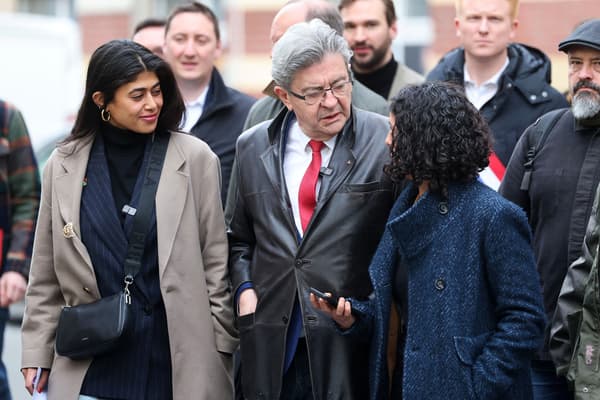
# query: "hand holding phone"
345,320
332,301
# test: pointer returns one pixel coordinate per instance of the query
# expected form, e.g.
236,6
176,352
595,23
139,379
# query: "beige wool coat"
192,262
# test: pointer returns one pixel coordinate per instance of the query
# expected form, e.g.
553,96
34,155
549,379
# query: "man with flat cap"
553,174
580,296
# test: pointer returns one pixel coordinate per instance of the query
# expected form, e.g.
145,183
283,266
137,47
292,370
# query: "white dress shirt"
479,95
193,111
297,158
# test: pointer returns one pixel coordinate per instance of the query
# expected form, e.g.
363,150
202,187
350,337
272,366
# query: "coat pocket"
261,348
468,349
361,187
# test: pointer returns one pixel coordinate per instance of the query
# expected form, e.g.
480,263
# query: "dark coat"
221,123
475,315
524,93
353,204
559,200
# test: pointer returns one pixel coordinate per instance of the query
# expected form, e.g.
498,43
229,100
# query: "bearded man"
370,27
560,193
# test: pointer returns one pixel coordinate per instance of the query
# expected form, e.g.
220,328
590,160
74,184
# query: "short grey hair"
303,45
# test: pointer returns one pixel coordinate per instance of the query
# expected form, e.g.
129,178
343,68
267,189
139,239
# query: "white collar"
298,138
199,101
492,81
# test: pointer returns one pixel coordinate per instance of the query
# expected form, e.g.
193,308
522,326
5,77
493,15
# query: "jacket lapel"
272,160
68,186
170,201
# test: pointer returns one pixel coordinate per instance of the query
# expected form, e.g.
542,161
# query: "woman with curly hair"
455,260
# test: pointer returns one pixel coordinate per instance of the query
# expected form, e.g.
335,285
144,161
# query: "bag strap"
143,213
541,128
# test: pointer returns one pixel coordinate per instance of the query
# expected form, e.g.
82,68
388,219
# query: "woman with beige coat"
182,332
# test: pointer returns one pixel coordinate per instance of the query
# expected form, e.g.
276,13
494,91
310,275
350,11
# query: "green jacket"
575,332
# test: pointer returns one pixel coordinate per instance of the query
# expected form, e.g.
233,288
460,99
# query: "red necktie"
306,195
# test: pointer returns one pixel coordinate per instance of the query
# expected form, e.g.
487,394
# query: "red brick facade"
98,29
258,27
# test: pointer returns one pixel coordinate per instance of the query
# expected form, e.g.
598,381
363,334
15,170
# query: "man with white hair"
308,209
553,174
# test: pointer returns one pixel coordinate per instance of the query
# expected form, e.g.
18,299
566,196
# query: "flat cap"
586,34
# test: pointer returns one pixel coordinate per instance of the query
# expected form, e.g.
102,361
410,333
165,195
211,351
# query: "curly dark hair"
438,136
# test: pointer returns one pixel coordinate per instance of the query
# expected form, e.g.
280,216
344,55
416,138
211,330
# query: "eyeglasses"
314,96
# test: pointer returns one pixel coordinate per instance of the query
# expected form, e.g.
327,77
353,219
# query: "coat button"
298,263
148,309
87,289
544,94
443,208
284,319
440,284
533,97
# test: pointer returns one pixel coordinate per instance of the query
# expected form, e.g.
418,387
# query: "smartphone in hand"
332,301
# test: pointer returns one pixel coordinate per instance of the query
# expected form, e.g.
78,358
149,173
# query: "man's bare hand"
247,302
12,288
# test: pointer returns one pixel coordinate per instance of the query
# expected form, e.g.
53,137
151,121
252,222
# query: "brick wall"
258,27
543,24
98,29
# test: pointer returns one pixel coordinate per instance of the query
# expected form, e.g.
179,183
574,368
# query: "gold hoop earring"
105,115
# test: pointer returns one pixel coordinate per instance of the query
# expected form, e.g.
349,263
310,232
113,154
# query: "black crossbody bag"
88,330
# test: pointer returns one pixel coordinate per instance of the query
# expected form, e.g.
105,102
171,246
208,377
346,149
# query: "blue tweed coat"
475,314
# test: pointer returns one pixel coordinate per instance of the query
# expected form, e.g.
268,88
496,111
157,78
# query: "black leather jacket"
334,255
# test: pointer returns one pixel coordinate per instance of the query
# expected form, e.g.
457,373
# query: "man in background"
508,82
370,28
215,112
557,193
150,33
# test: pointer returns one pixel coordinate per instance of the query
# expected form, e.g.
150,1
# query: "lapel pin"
68,230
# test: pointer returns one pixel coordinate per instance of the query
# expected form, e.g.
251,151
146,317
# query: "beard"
585,105
376,59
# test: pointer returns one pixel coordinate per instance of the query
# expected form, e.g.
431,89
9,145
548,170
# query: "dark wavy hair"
439,136
115,64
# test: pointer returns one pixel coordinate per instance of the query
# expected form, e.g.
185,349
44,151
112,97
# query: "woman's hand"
342,315
29,375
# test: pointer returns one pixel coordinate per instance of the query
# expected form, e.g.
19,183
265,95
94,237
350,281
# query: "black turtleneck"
380,81
124,152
